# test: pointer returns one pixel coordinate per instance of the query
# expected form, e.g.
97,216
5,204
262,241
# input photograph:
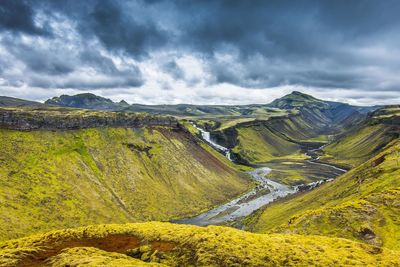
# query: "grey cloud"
41,60
172,68
18,16
53,65
319,44
121,31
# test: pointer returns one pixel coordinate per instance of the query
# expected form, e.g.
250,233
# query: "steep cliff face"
61,118
55,178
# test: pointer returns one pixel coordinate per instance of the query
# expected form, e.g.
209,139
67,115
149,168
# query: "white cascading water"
207,137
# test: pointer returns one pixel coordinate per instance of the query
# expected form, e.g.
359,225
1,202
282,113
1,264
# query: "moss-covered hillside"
165,244
279,137
366,139
362,204
258,143
57,179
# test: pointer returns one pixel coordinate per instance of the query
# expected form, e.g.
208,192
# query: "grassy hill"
165,244
278,137
362,204
366,139
259,143
320,110
52,179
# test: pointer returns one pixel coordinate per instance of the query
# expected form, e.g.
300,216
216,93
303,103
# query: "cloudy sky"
204,52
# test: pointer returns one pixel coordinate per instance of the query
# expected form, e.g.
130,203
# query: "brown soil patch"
110,243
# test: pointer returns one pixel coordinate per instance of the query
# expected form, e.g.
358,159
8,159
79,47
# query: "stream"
265,192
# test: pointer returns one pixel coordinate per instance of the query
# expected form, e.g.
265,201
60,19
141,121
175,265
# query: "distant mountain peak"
297,99
84,100
297,93
123,102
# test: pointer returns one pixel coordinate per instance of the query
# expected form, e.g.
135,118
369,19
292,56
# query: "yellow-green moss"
183,245
358,146
89,256
259,144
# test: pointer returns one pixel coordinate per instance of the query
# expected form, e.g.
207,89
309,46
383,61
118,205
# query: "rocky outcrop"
34,119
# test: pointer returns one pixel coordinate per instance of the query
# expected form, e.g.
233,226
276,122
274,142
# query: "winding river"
265,192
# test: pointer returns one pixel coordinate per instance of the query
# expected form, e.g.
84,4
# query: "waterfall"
207,137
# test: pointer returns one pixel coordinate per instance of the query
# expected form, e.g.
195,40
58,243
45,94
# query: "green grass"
233,122
359,145
258,144
184,245
57,179
295,172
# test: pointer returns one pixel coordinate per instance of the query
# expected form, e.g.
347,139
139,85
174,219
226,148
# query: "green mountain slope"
62,178
259,143
165,244
320,110
6,101
362,204
365,139
277,137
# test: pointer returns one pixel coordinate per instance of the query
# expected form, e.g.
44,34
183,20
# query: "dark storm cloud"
117,26
303,33
18,16
254,44
118,30
40,60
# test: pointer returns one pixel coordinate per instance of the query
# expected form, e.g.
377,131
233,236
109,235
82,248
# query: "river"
265,192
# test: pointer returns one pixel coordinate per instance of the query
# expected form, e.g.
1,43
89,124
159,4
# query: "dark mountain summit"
86,100
321,110
297,99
